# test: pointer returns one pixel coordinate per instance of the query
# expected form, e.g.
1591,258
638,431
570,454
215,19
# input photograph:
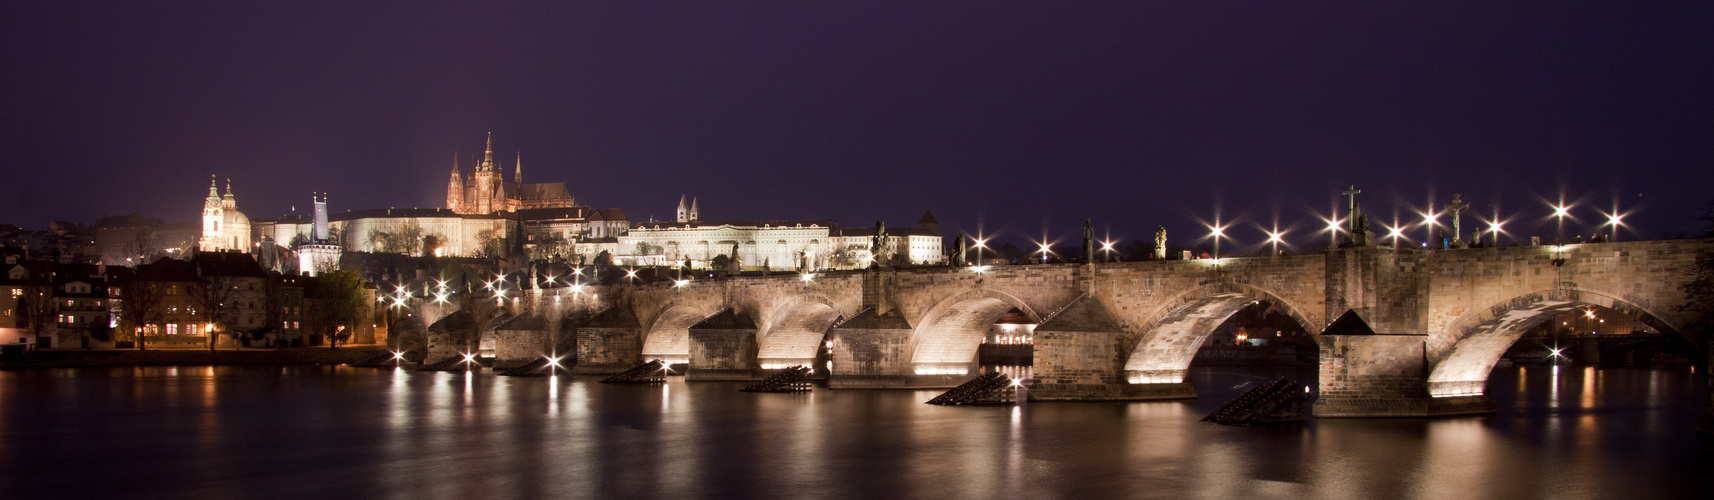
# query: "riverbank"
67,358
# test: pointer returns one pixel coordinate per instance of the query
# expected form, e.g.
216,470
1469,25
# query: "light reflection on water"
294,432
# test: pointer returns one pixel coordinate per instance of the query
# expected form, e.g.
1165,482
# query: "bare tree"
143,248
339,305
40,309
139,307
220,299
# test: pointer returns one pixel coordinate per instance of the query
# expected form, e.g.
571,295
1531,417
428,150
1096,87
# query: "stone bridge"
1437,321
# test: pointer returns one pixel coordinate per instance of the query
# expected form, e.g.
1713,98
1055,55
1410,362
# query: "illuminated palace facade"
777,245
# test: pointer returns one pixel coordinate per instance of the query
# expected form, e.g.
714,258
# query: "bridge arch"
1171,338
667,335
795,331
1479,338
947,337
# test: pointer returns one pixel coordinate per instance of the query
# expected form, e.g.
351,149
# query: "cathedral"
487,191
223,226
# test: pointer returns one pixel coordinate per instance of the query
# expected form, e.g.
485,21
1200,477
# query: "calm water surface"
337,432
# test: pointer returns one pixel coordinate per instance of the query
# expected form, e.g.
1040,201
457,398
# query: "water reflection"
309,431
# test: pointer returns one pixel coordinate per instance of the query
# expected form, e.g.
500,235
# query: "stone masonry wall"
1372,375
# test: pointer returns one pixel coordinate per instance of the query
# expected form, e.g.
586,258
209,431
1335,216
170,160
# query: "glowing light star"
1107,246
681,283
576,288
440,297
1555,352
578,271
553,361
398,355
808,277
469,358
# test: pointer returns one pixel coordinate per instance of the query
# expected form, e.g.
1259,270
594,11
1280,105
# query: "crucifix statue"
1457,208
1352,193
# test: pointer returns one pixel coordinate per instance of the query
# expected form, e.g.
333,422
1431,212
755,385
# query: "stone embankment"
52,358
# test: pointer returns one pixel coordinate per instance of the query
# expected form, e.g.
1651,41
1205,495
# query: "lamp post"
980,244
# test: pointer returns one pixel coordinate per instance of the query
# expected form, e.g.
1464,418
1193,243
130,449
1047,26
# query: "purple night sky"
1014,117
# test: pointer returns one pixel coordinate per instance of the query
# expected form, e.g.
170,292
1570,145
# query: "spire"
213,189
455,162
695,214
488,154
519,177
683,211
228,187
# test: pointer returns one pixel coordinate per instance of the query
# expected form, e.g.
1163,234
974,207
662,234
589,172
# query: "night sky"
1015,118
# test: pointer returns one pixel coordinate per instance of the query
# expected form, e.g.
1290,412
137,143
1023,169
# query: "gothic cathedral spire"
519,176
488,154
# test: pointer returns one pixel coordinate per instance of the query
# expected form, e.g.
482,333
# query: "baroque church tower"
223,226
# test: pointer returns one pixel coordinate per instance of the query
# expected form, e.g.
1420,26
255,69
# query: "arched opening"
1261,333
1009,346
1164,354
668,336
1549,328
952,332
796,336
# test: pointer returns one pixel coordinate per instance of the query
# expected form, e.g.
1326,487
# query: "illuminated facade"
487,192
780,245
223,226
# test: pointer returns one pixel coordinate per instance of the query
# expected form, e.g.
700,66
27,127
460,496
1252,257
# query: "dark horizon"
1005,119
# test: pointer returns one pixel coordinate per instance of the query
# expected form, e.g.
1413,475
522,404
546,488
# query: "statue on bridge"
959,256
1457,208
1088,241
1357,233
881,247
1160,242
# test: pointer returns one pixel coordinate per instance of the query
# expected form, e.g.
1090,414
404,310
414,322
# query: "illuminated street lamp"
1560,212
1107,250
1274,238
980,244
1217,231
1615,220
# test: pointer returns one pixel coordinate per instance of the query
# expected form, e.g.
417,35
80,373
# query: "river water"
340,432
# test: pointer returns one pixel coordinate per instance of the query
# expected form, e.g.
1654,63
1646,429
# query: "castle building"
777,245
485,216
487,191
223,226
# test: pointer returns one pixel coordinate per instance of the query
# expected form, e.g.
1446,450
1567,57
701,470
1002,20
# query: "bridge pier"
1368,374
872,351
723,347
1080,356
610,342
